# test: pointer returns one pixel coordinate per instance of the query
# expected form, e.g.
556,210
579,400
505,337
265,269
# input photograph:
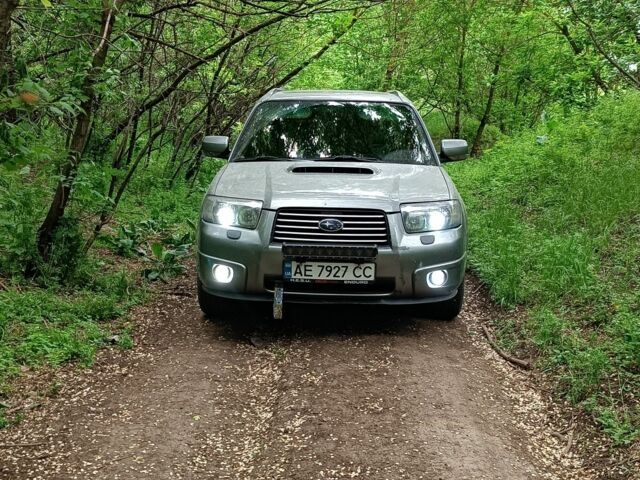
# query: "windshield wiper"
264,158
347,158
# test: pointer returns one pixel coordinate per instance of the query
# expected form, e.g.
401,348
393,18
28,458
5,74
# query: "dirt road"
326,394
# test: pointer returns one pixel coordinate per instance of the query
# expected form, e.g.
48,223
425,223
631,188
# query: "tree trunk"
477,142
457,125
401,11
392,63
467,16
7,8
7,72
80,135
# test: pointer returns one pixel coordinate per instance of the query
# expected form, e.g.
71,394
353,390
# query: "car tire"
449,309
214,308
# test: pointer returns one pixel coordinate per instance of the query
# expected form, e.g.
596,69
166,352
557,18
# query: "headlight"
430,217
231,213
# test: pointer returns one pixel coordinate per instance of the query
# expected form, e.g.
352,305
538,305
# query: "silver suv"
333,197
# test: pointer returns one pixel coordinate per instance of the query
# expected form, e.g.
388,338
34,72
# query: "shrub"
554,223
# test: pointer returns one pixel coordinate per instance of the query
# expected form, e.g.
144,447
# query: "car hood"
337,185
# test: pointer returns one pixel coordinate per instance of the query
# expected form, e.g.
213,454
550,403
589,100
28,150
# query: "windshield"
321,130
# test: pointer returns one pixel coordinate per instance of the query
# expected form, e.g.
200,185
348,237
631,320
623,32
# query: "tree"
115,86
7,76
81,130
248,22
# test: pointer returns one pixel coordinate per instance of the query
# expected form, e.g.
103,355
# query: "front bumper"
402,266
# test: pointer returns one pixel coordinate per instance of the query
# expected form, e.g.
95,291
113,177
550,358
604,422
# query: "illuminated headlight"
231,213
431,217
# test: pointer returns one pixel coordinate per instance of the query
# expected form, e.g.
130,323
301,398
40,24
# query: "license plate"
329,271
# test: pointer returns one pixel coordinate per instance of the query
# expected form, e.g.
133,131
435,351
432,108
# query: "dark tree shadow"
255,325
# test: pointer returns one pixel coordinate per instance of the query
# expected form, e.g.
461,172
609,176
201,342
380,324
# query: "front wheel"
447,310
214,308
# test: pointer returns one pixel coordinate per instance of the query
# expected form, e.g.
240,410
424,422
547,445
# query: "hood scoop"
333,169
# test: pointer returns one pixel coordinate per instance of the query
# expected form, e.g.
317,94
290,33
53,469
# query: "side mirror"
216,146
454,150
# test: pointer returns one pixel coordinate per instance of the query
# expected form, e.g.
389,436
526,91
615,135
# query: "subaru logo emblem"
330,225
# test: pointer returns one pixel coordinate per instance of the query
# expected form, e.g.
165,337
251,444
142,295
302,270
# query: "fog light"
437,278
222,273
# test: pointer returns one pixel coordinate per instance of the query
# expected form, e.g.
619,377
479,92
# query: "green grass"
67,313
555,226
51,326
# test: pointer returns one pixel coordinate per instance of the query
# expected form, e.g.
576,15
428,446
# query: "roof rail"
269,94
399,95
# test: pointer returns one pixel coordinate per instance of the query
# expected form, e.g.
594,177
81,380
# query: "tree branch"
596,43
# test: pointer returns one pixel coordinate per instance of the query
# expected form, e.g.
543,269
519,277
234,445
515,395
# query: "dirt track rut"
326,394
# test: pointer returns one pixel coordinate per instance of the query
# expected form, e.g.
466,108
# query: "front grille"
301,225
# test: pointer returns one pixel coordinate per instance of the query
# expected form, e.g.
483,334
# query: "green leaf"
46,3
157,249
152,274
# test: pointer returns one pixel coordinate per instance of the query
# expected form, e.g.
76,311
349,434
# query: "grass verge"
555,226
73,307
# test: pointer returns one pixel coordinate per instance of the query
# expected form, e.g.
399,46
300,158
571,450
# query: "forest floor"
325,394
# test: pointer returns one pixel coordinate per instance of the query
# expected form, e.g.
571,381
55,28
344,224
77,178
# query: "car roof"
335,95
